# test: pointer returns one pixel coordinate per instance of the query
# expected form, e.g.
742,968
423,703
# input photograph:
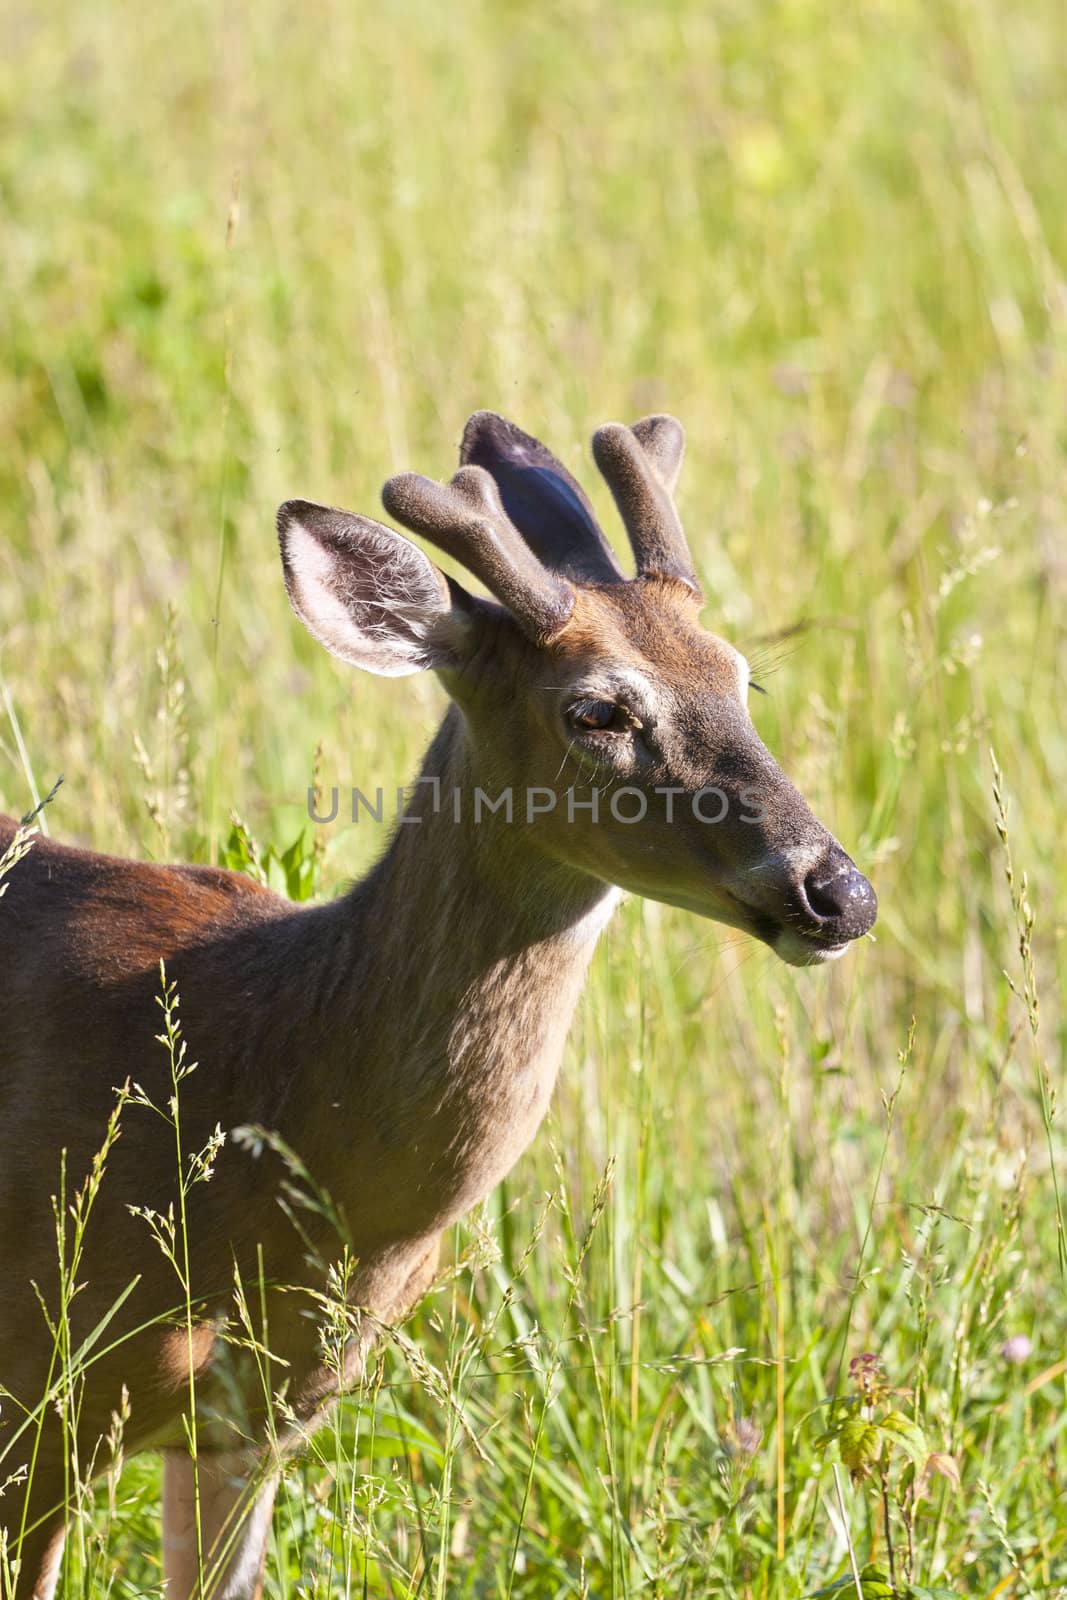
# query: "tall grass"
264,251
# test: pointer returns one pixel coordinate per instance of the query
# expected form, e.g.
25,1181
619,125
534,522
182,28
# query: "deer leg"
40,1555
417,1282
234,1526
39,1507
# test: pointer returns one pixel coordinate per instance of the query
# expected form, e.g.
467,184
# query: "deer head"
617,722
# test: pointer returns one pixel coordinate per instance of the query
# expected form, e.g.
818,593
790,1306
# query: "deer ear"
363,591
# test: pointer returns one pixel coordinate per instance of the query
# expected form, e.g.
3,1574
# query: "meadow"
256,251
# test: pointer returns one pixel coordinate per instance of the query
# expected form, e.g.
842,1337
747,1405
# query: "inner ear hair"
369,595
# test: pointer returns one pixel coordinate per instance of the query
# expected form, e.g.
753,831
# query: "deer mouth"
805,950
795,946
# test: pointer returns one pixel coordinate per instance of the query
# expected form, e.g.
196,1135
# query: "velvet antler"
548,507
641,466
466,519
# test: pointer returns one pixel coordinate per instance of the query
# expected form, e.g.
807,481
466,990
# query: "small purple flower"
866,1372
749,1436
1016,1349
867,1362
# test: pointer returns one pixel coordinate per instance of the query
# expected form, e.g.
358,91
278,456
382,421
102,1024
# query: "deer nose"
839,898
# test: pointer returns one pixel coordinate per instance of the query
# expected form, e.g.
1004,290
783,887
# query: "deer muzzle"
812,900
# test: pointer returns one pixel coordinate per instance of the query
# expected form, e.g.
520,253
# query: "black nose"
840,899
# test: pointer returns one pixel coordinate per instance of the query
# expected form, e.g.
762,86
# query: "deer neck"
475,951
467,910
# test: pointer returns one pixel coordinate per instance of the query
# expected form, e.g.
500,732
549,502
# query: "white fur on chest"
589,927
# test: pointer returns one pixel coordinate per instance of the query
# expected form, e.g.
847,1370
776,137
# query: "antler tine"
550,510
466,519
641,466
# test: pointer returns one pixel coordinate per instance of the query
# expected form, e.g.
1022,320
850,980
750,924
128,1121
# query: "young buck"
401,1041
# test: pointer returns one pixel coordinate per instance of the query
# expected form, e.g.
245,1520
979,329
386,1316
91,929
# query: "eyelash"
617,720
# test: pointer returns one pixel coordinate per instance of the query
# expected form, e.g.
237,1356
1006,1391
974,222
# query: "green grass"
264,251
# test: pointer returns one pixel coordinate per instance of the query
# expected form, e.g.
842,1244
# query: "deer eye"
600,716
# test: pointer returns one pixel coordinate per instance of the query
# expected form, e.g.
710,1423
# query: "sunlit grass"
261,252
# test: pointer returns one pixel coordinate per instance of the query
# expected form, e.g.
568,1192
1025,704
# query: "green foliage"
257,251
292,872
875,1584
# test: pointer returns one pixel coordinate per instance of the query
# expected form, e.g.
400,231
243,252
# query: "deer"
403,1038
